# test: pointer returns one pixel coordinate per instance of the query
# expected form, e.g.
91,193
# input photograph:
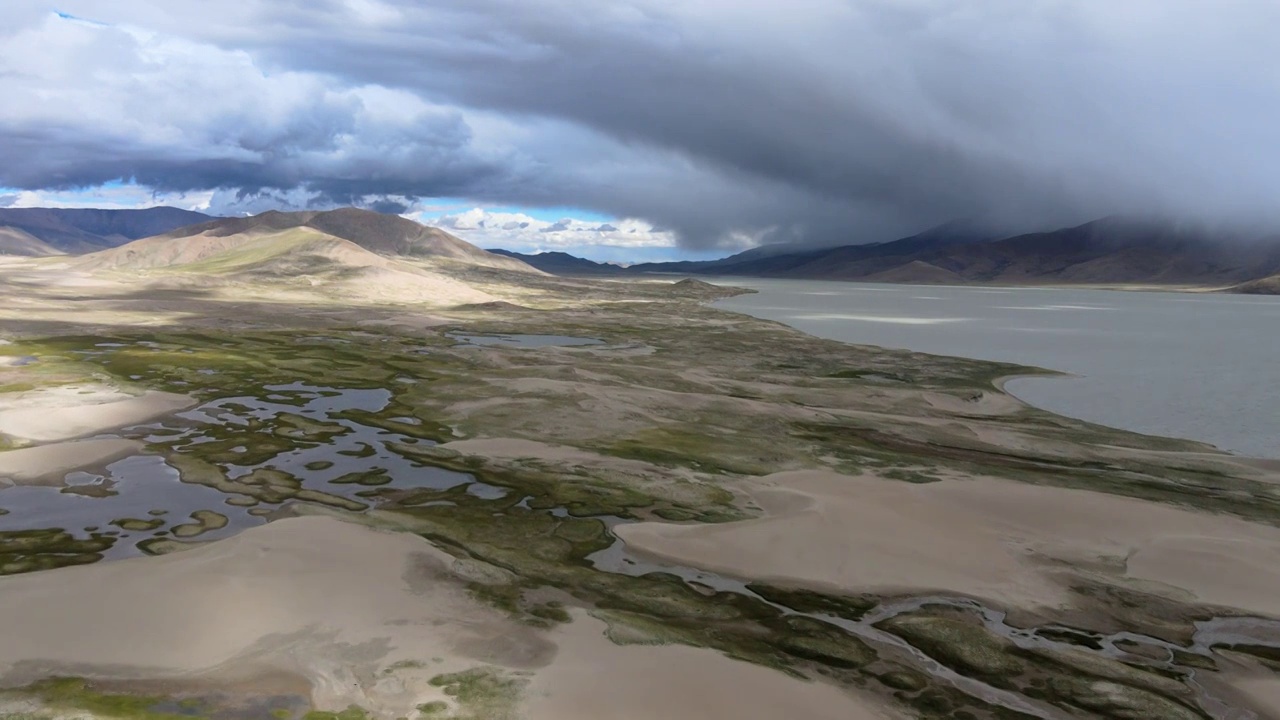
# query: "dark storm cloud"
820,121
389,206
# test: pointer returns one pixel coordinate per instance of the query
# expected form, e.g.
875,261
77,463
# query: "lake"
1197,366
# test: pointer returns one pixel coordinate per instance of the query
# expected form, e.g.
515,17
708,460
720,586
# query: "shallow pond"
335,458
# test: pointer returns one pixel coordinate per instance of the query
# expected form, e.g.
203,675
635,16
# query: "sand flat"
331,601
48,464
1263,693
52,414
593,679
981,537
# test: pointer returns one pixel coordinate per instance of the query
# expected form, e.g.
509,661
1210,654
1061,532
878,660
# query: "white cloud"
524,233
109,197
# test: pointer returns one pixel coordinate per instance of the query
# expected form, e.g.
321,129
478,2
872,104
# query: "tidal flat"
339,466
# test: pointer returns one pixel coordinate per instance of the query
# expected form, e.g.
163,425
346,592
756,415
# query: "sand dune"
982,537
62,413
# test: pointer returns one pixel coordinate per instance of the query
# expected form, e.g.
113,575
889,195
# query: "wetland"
498,459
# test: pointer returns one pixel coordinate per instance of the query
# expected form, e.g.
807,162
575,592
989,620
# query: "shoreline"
1144,422
1117,287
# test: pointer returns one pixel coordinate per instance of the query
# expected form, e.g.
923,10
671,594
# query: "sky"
649,129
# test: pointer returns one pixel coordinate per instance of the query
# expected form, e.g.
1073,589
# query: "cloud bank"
521,232
725,123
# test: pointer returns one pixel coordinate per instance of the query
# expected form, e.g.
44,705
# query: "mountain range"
279,239
560,263
359,255
57,231
1110,251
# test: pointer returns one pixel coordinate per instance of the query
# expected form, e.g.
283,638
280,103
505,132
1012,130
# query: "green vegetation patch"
136,525
76,695
693,447
374,477
809,601
23,551
205,521
872,375
964,646
1074,678
298,427
482,693
353,712
824,643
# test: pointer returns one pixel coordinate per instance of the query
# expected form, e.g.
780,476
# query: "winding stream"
1210,633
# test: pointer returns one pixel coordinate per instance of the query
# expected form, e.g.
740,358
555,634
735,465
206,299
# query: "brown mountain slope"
288,262
15,241
1115,250
1263,286
916,271
1112,250
228,254
389,235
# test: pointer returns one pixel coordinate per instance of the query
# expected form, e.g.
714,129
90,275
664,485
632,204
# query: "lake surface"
1203,367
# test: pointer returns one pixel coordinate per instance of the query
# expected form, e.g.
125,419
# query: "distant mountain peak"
389,236
1119,249
80,230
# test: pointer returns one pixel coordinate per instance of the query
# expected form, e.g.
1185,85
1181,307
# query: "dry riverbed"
589,500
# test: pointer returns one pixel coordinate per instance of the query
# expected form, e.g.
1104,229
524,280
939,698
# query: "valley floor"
587,499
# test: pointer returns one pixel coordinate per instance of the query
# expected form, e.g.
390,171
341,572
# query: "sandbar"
49,464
